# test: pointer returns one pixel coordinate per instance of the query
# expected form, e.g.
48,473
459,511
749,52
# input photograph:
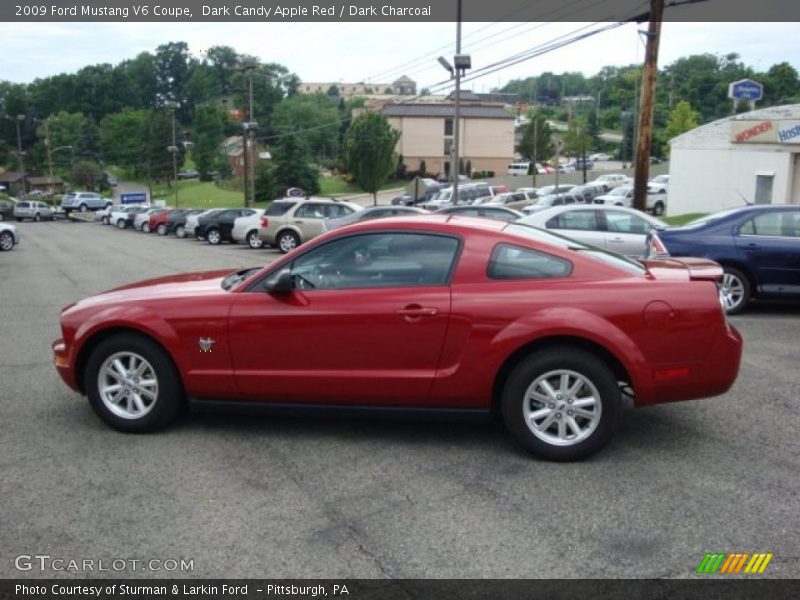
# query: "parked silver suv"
32,209
84,201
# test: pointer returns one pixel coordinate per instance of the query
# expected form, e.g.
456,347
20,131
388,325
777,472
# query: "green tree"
577,139
369,151
122,139
536,142
681,119
293,166
265,183
87,174
156,155
208,127
315,118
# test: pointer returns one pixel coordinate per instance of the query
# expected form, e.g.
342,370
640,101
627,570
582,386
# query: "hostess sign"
746,89
765,132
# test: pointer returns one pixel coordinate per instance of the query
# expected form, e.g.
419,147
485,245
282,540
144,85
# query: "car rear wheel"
146,227
121,223
180,231
37,217
82,208
562,404
6,241
288,241
735,288
253,240
132,384
658,209
213,236
161,229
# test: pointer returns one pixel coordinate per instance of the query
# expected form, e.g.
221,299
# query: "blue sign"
295,192
133,198
746,89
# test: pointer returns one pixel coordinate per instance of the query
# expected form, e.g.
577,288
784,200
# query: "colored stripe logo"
734,563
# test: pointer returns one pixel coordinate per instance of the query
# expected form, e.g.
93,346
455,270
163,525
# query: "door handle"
298,222
414,311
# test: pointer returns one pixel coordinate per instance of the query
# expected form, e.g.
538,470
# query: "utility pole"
19,150
247,126
535,147
49,152
457,108
250,148
174,150
644,136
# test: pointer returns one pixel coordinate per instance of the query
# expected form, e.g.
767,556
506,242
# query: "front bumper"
63,364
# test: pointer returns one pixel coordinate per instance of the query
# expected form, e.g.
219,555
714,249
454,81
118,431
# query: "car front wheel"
121,223
180,231
562,404
213,236
161,229
658,209
288,241
146,227
37,217
82,208
735,288
253,240
6,241
132,384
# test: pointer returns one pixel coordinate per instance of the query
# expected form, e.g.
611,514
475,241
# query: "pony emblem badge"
206,344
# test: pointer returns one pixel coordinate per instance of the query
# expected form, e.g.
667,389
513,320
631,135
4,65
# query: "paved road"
334,498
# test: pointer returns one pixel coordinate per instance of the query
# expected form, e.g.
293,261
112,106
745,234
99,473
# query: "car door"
770,244
365,322
580,225
625,233
308,218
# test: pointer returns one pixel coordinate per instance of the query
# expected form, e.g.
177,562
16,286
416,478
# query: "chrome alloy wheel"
214,237
732,289
6,241
562,407
253,240
287,242
128,385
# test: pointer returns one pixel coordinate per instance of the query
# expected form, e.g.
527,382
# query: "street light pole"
174,149
457,109
19,150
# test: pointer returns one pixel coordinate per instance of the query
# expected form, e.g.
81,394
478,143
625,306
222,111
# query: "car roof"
547,213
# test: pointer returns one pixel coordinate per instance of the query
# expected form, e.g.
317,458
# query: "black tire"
19,219
6,241
287,241
161,229
732,280
253,240
37,217
213,236
552,360
83,208
2,217
169,399
180,231
145,227
122,223
105,220
658,209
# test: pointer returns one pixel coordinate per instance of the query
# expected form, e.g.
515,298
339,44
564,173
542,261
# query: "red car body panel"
158,219
665,327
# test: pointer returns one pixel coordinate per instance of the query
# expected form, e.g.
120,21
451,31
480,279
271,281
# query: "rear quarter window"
277,209
515,262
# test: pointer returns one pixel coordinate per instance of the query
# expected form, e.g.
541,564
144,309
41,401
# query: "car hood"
171,286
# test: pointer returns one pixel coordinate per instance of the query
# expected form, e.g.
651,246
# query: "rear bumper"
712,377
63,364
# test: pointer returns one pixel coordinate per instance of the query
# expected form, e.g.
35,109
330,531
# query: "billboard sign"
133,198
746,89
765,132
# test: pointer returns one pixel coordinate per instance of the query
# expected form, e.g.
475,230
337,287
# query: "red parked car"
158,222
431,313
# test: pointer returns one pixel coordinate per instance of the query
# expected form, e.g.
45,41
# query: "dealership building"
752,157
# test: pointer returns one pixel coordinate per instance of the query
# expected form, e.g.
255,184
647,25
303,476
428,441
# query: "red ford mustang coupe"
413,314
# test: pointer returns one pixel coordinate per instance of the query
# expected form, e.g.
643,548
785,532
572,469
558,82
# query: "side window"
583,220
620,222
310,211
514,262
777,224
377,260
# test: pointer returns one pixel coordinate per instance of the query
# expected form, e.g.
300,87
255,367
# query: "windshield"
238,277
700,222
443,196
619,191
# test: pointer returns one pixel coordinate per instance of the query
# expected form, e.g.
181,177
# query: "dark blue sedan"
758,247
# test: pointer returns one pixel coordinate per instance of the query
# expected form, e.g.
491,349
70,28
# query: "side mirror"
280,283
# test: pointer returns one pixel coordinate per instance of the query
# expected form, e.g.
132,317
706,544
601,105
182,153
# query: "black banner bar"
264,11
402,589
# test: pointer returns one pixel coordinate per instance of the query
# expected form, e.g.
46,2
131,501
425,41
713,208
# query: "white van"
519,168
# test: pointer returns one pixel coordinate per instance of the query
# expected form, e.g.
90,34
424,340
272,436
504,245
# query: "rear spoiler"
699,269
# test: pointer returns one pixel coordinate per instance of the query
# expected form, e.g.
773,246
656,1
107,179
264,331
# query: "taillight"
655,247
265,221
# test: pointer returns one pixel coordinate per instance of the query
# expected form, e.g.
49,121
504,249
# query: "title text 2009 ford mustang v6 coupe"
422,313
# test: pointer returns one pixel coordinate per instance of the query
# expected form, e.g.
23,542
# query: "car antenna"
745,200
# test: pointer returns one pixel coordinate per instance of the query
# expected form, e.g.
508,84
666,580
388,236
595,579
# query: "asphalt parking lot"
293,497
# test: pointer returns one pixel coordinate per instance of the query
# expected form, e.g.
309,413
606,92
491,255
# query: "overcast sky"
381,52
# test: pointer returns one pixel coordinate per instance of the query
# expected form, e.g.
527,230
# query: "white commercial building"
752,157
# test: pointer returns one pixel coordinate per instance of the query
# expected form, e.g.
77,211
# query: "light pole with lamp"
174,148
461,62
